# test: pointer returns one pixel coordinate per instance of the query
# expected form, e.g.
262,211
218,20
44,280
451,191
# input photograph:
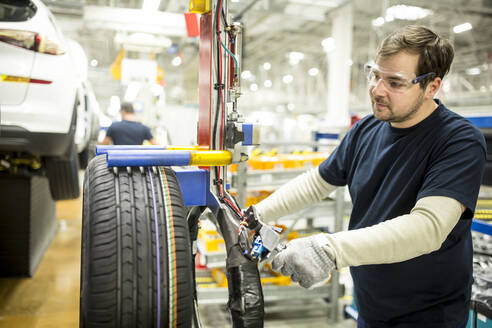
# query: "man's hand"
305,260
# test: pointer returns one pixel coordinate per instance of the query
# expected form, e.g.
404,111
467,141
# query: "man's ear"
432,88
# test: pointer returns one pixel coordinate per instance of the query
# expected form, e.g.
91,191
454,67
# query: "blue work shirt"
387,170
128,133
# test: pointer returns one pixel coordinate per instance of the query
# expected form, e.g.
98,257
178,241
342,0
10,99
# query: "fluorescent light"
389,17
268,84
246,75
94,62
291,106
328,44
378,21
287,79
462,27
473,71
253,87
177,61
151,4
406,12
295,57
313,71
235,0
267,66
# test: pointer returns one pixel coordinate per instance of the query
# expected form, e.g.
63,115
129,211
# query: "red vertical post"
205,82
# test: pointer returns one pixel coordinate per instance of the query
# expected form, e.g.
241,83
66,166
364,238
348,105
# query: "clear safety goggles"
393,81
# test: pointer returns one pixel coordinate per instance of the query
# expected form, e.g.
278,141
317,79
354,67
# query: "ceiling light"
295,57
235,0
378,21
389,17
177,61
94,62
407,12
291,106
267,66
328,44
287,79
151,4
253,87
473,71
246,75
268,84
313,71
462,27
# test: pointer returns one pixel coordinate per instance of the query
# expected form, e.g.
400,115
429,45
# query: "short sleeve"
148,134
334,169
110,131
456,170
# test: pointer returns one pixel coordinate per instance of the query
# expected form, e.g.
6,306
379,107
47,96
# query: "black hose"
246,303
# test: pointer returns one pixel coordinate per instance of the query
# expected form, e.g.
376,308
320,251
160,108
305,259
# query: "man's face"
391,106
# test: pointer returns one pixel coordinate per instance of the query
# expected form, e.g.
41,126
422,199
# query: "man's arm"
420,232
107,141
310,260
306,189
153,141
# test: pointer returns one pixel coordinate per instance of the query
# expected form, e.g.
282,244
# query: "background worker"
128,131
413,169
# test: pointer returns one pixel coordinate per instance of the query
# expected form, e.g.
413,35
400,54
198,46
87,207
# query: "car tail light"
31,41
22,79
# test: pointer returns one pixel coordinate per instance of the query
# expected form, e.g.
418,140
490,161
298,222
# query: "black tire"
63,175
119,275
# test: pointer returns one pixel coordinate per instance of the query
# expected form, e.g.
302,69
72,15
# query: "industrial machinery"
141,217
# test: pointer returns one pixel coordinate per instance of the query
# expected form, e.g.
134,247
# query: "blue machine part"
148,158
103,149
483,122
257,248
482,226
248,134
194,186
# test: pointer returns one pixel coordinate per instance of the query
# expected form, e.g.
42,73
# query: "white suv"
43,107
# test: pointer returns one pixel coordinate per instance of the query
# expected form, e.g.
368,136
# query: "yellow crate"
211,240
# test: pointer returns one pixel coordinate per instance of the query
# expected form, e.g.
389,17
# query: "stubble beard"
396,118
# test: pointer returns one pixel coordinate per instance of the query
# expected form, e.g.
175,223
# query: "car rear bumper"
17,139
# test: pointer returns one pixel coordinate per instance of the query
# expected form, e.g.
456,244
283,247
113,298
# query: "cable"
236,65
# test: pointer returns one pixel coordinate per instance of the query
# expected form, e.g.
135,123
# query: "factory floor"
51,297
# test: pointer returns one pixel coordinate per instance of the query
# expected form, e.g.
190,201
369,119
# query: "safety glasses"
396,82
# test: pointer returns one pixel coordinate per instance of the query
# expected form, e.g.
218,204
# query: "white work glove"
305,260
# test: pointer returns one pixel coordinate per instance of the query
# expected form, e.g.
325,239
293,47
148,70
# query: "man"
128,131
413,169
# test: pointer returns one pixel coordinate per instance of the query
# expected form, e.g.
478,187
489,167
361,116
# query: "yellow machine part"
200,6
211,158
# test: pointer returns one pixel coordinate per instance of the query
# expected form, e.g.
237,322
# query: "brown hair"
127,107
435,53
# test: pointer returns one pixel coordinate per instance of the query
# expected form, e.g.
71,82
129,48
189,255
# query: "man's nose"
378,89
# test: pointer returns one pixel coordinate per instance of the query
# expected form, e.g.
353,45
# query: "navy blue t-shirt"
128,133
387,170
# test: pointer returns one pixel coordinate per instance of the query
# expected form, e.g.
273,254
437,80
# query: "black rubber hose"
246,303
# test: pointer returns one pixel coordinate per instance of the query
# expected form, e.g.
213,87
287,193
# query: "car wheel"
132,274
63,176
